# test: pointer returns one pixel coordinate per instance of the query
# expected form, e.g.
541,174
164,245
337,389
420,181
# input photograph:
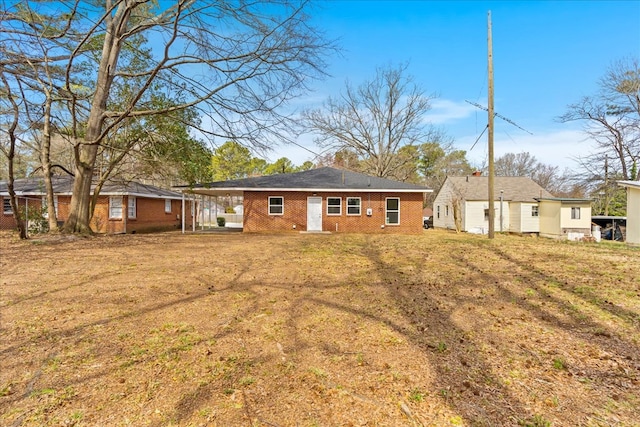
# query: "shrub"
221,221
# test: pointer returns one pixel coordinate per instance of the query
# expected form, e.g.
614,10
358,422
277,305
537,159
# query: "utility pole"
606,185
492,213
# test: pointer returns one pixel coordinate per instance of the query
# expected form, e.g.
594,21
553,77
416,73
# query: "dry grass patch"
318,330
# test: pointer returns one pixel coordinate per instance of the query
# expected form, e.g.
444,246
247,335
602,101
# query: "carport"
206,207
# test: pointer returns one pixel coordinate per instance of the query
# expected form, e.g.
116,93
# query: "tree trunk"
45,161
21,223
86,151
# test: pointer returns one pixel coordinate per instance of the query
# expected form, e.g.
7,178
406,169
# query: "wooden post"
492,213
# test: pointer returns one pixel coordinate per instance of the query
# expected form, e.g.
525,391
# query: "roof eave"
198,190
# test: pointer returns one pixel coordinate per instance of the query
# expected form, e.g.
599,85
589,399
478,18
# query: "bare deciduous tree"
237,62
547,176
374,120
612,119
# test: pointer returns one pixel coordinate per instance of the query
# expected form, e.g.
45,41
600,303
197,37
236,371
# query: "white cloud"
445,111
555,147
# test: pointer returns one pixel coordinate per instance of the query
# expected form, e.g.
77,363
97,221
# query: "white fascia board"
629,184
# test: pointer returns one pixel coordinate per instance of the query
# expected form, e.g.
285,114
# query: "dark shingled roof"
64,185
325,178
516,188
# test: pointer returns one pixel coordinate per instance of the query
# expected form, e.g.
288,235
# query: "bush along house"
322,200
122,207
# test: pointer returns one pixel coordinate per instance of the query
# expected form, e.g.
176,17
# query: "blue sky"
547,54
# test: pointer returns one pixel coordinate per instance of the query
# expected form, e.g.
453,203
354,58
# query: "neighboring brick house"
122,207
324,199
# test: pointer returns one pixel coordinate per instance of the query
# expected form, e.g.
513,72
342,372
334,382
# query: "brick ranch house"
122,207
322,200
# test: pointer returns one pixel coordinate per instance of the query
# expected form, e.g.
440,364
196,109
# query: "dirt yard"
437,329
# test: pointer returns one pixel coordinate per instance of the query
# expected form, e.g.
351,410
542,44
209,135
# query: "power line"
475,104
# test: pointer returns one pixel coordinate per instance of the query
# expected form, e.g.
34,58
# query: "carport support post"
182,213
193,213
209,201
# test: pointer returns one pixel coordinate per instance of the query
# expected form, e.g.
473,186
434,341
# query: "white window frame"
438,211
272,205
6,206
535,211
575,212
446,210
115,207
167,206
387,210
358,206
339,206
132,207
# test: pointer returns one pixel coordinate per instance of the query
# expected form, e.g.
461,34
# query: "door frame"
310,217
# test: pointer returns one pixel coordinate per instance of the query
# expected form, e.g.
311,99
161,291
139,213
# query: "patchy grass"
434,329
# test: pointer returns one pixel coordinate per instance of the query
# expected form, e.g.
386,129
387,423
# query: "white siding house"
515,204
565,218
525,217
633,211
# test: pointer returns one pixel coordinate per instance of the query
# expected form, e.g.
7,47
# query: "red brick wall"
150,215
257,218
7,221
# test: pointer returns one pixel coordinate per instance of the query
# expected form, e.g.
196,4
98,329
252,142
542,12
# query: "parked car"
427,222
609,234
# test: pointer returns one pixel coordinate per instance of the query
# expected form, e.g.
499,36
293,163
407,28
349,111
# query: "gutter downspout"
26,214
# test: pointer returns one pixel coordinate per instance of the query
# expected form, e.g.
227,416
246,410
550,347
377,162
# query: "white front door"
314,213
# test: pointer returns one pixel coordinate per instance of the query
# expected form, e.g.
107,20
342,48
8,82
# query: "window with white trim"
392,205
131,207
167,205
535,211
115,207
575,213
6,206
446,210
438,211
334,205
276,205
354,205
